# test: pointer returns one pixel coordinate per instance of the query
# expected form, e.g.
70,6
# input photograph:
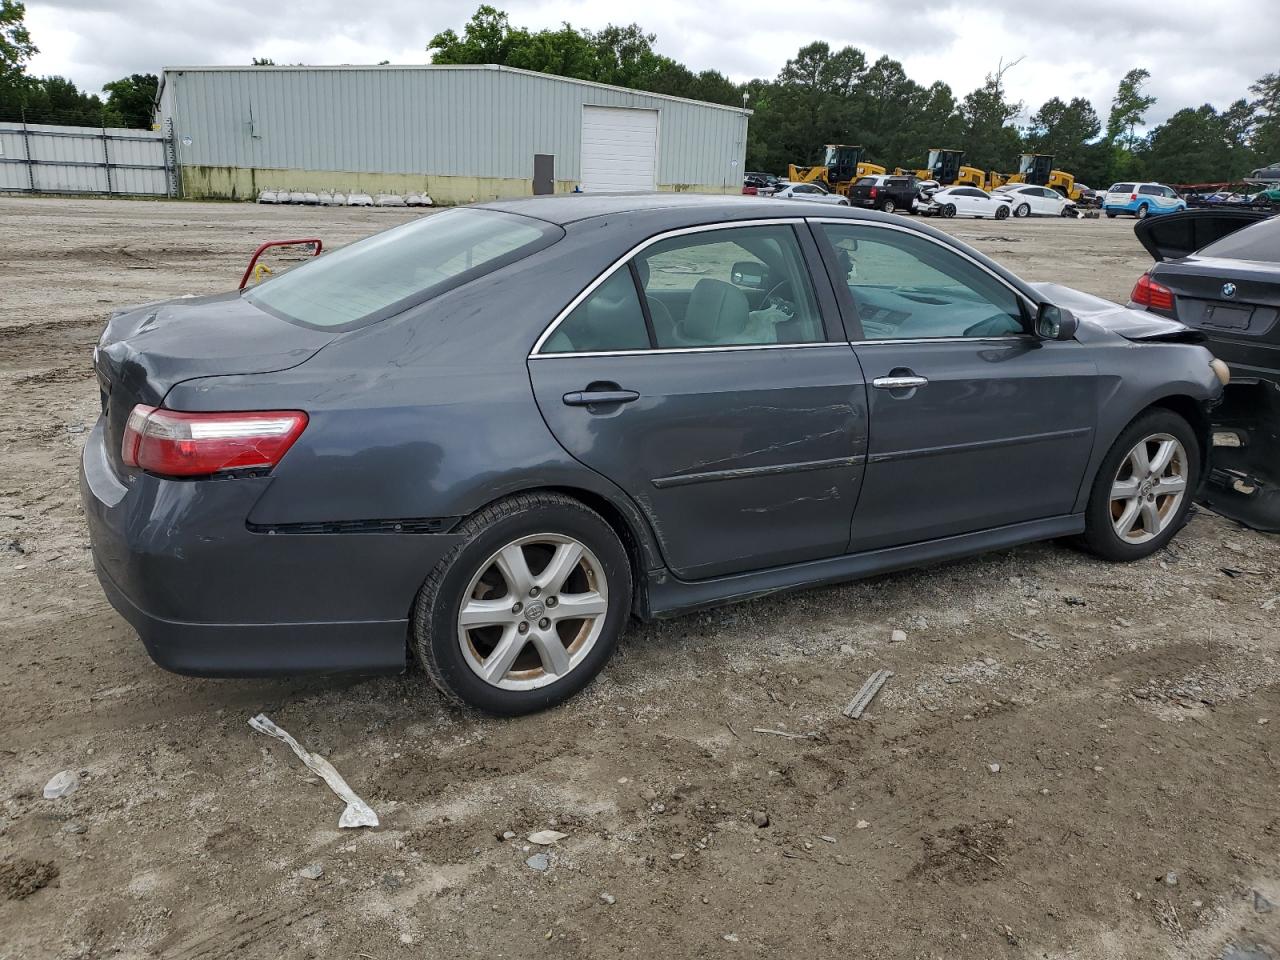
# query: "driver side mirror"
1056,323
749,273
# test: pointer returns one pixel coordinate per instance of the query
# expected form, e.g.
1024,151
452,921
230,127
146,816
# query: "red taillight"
1151,294
178,444
1133,196
874,192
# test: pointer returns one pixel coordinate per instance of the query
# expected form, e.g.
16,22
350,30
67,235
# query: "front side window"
391,271
741,286
906,287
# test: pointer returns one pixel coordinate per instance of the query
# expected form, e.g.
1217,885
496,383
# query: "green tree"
1190,147
16,47
1064,130
989,140
1129,108
131,101
1266,133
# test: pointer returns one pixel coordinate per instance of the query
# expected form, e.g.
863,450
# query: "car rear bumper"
211,597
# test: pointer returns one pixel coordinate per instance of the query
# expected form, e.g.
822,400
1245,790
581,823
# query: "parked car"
964,202
1270,172
808,191
888,193
1218,272
493,435
1141,199
759,184
1028,200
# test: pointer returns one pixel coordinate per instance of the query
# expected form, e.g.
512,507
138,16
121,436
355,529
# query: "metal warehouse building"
459,133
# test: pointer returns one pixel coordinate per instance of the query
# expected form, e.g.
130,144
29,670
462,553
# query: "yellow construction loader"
948,168
842,164
1037,169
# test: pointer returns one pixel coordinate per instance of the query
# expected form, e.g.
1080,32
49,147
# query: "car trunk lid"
1178,235
147,349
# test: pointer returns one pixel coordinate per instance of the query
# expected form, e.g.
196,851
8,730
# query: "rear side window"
391,271
1258,241
1150,191
866,182
609,319
1121,188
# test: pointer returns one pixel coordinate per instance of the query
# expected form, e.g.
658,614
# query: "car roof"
676,209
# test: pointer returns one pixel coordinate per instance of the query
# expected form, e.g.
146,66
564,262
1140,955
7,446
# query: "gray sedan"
491,436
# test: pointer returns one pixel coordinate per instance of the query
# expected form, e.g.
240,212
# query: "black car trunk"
1235,303
146,350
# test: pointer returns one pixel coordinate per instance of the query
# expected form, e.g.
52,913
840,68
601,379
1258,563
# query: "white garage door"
619,150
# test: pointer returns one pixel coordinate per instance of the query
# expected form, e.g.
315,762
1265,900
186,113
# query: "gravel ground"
1072,759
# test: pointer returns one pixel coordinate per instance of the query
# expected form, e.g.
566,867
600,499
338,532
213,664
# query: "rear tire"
1130,499
497,572
1110,215
1142,212
888,206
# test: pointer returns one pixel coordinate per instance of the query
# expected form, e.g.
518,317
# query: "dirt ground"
1133,713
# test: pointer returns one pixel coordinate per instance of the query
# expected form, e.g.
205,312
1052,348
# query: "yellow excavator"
1037,169
842,164
949,169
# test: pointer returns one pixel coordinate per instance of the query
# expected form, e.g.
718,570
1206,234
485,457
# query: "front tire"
1024,210
1002,213
1143,490
525,611
949,210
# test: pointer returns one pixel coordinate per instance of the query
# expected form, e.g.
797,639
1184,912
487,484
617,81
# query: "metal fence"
39,158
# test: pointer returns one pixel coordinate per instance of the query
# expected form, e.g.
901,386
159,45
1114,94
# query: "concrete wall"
457,132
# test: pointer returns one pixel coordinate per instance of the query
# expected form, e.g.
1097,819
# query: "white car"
809,191
965,202
1029,200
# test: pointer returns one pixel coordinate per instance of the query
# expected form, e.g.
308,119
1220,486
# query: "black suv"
887,193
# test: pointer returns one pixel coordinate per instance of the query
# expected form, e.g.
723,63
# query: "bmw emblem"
1228,290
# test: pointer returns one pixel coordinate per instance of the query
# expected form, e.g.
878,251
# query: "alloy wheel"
1148,488
533,611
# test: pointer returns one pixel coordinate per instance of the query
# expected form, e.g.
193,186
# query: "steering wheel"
773,299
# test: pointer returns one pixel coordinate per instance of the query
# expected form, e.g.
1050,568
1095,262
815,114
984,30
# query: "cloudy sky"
1196,52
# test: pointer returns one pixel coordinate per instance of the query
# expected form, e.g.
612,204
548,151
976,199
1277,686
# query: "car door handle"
900,383
591,398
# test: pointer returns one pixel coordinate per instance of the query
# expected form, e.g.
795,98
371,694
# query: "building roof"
302,68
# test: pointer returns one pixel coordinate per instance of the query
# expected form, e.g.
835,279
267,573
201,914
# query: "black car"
1218,271
888,193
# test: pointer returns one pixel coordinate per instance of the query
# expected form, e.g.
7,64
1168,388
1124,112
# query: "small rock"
1044,791
623,780
826,839
862,824
312,871
730,937
950,678
1197,904
1170,879
1261,903
993,767
648,794
659,808
808,845
1263,721
608,898
760,818
546,837
898,636
847,650
989,661
677,856
540,862
1097,769
74,827
508,834
61,785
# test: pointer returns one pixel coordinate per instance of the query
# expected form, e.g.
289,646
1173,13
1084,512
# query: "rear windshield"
1258,241
391,271
1121,188
866,182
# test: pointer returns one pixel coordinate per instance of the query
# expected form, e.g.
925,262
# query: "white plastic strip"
358,813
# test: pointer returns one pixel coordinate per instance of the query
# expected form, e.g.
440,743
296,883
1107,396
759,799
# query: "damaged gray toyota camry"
491,436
